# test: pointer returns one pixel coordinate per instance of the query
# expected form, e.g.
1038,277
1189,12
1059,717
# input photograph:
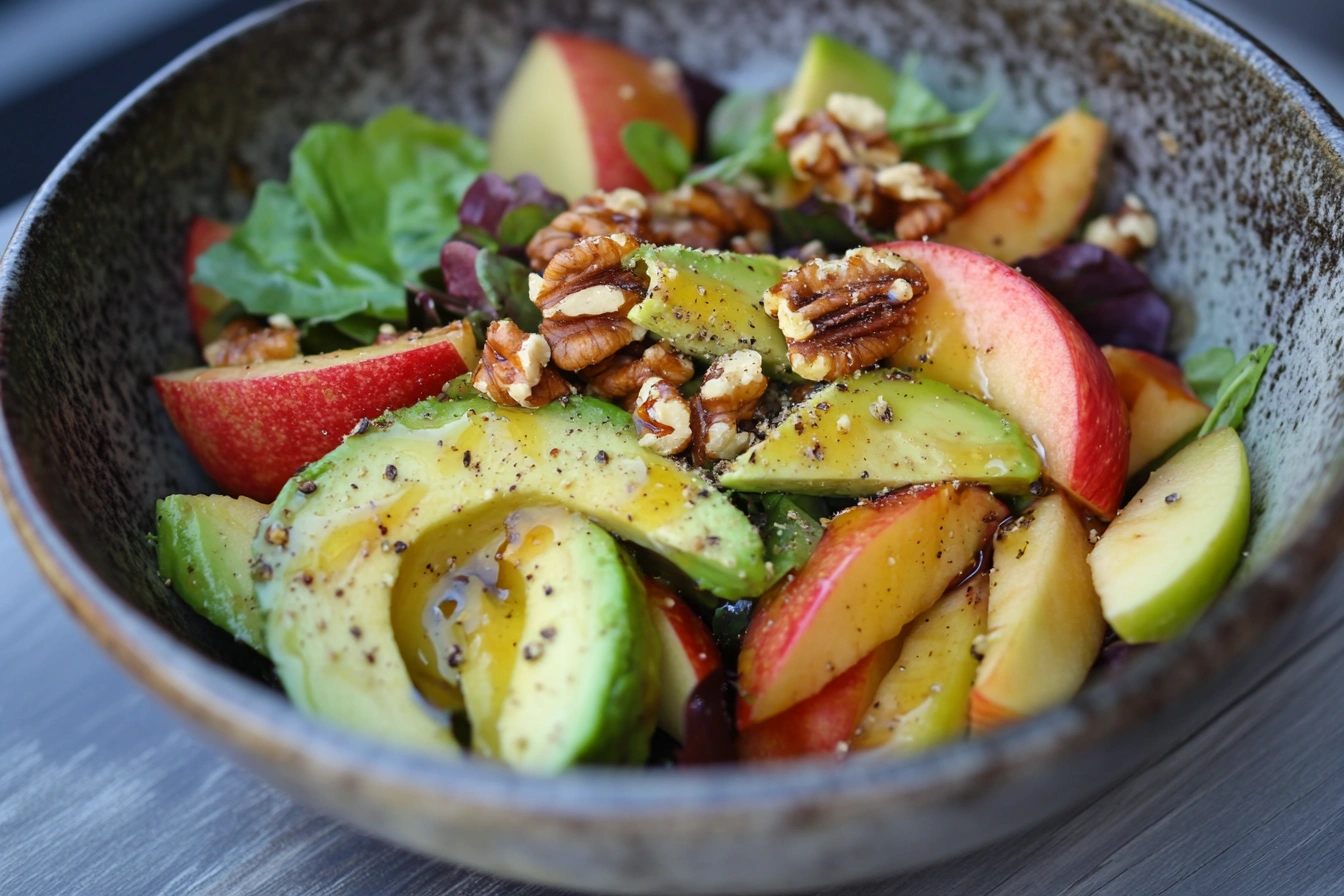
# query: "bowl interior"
1246,185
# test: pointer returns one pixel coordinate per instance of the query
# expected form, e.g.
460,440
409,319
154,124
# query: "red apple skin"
251,427
202,301
1163,409
878,566
689,654
824,723
985,329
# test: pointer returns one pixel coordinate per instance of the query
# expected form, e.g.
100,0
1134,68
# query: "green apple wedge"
1176,542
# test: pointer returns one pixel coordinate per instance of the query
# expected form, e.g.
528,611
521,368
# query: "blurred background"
63,63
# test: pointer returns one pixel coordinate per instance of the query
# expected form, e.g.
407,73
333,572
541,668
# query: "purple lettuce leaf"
504,214
835,225
1111,297
703,94
710,731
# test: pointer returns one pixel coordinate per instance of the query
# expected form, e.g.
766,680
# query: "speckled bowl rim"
254,720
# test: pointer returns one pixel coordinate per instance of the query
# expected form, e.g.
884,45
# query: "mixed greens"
676,425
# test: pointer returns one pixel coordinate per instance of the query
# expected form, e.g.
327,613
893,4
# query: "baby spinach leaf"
364,211
1237,389
1205,371
791,532
657,153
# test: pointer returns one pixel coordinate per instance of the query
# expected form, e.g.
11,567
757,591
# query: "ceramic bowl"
1239,159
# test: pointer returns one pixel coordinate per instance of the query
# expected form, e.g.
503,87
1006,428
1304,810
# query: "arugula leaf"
1237,389
1206,370
365,210
656,152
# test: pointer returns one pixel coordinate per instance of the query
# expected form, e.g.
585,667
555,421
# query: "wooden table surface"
103,791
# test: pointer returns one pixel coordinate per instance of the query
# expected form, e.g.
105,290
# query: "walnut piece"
916,201
621,376
244,341
662,417
1128,232
515,368
729,395
843,315
710,216
598,214
584,296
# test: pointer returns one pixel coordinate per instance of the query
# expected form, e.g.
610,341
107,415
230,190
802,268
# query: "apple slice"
823,724
926,699
1163,409
1045,626
1177,541
562,115
203,303
1033,201
985,329
879,565
689,655
251,427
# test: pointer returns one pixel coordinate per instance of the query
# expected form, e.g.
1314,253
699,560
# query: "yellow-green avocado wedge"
559,660
331,550
831,66
1177,541
204,547
884,429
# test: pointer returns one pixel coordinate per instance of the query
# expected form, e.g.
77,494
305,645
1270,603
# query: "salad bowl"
1237,156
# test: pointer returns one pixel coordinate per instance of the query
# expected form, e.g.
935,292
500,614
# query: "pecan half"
729,395
662,417
244,341
621,376
710,216
515,368
584,296
1129,231
597,214
843,315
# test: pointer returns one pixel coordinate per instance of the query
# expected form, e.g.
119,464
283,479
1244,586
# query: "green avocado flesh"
205,544
882,430
708,304
419,487
831,66
546,629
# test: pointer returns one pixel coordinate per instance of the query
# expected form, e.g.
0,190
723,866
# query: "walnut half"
662,418
1128,232
843,315
598,214
584,296
244,341
515,369
620,377
729,395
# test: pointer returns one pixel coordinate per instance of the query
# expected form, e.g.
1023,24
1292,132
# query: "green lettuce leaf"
364,212
1236,390
656,152
1205,371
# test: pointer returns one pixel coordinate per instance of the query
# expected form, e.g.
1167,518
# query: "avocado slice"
832,66
884,429
427,481
204,547
706,303
558,656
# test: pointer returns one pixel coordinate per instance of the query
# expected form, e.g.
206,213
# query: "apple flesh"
203,303
1163,409
1045,626
1177,541
823,724
987,330
878,566
1034,201
251,427
689,655
925,699
562,115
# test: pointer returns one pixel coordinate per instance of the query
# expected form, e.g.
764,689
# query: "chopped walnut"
843,315
662,417
623,374
710,216
1128,232
729,395
584,297
844,152
244,341
597,214
515,368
